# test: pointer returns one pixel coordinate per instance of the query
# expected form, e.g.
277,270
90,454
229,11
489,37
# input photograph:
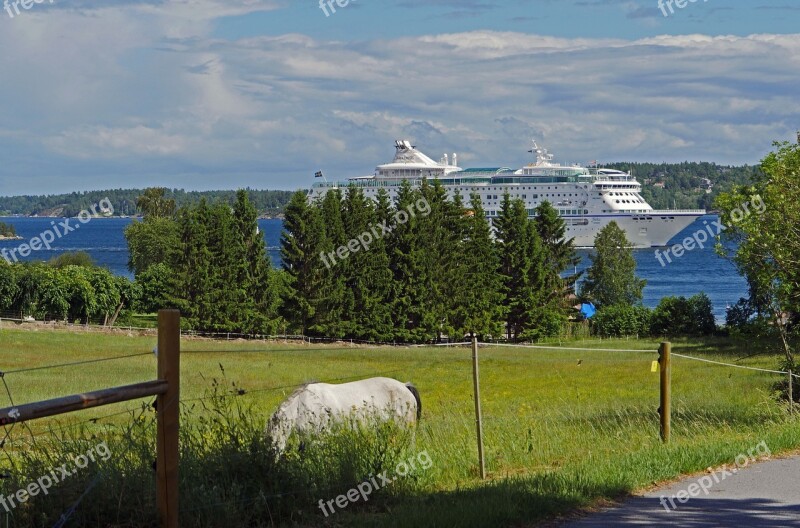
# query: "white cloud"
142,83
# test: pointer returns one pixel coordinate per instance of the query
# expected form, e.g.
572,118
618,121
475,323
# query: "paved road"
766,494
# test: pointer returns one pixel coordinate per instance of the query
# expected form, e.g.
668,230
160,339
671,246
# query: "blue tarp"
588,310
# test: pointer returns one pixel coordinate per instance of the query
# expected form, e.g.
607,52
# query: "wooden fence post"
666,393
476,382
168,406
791,395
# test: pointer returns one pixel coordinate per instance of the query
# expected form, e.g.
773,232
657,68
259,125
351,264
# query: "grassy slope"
566,434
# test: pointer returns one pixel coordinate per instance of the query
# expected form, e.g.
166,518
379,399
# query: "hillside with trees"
687,185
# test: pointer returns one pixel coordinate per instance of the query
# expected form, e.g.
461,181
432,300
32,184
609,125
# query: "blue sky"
374,19
208,94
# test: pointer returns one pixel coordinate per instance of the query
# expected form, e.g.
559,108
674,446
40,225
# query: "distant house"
659,185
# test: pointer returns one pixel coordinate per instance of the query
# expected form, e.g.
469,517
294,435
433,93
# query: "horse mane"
413,390
298,390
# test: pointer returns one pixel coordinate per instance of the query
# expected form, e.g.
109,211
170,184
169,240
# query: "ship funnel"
446,160
455,159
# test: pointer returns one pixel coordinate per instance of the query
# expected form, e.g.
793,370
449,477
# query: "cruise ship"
586,198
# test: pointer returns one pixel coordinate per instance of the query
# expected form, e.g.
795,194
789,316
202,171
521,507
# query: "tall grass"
228,469
563,430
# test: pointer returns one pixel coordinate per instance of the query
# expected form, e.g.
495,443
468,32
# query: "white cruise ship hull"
654,229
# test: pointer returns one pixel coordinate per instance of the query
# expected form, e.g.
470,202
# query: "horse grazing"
313,407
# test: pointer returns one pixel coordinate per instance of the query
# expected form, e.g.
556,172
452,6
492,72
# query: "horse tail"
413,390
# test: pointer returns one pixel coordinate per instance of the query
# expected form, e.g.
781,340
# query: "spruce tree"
368,275
194,267
229,300
478,306
560,259
302,243
440,232
261,307
402,246
513,241
335,301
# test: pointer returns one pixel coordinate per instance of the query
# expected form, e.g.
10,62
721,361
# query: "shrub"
679,316
621,320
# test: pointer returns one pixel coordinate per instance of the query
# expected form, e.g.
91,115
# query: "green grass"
563,429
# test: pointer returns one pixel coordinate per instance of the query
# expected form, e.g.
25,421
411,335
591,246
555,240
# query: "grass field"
563,429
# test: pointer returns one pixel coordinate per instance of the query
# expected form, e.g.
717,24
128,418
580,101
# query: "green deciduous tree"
763,220
679,316
154,203
153,241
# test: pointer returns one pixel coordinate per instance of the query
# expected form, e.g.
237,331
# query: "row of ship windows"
559,195
523,196
518,188
562,212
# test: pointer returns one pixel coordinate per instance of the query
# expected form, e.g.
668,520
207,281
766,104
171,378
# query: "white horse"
312,408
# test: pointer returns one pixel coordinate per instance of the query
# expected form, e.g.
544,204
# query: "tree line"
125,201
436,273
433,267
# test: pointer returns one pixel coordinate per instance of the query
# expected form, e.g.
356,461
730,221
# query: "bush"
742,319
545,322
679,316
621,320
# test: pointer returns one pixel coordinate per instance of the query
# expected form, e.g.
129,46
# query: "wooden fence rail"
167,390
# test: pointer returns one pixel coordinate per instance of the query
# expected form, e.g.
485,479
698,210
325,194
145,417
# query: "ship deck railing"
681,211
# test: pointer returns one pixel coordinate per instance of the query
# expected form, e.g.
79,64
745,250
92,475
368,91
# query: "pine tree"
611,279
228,296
